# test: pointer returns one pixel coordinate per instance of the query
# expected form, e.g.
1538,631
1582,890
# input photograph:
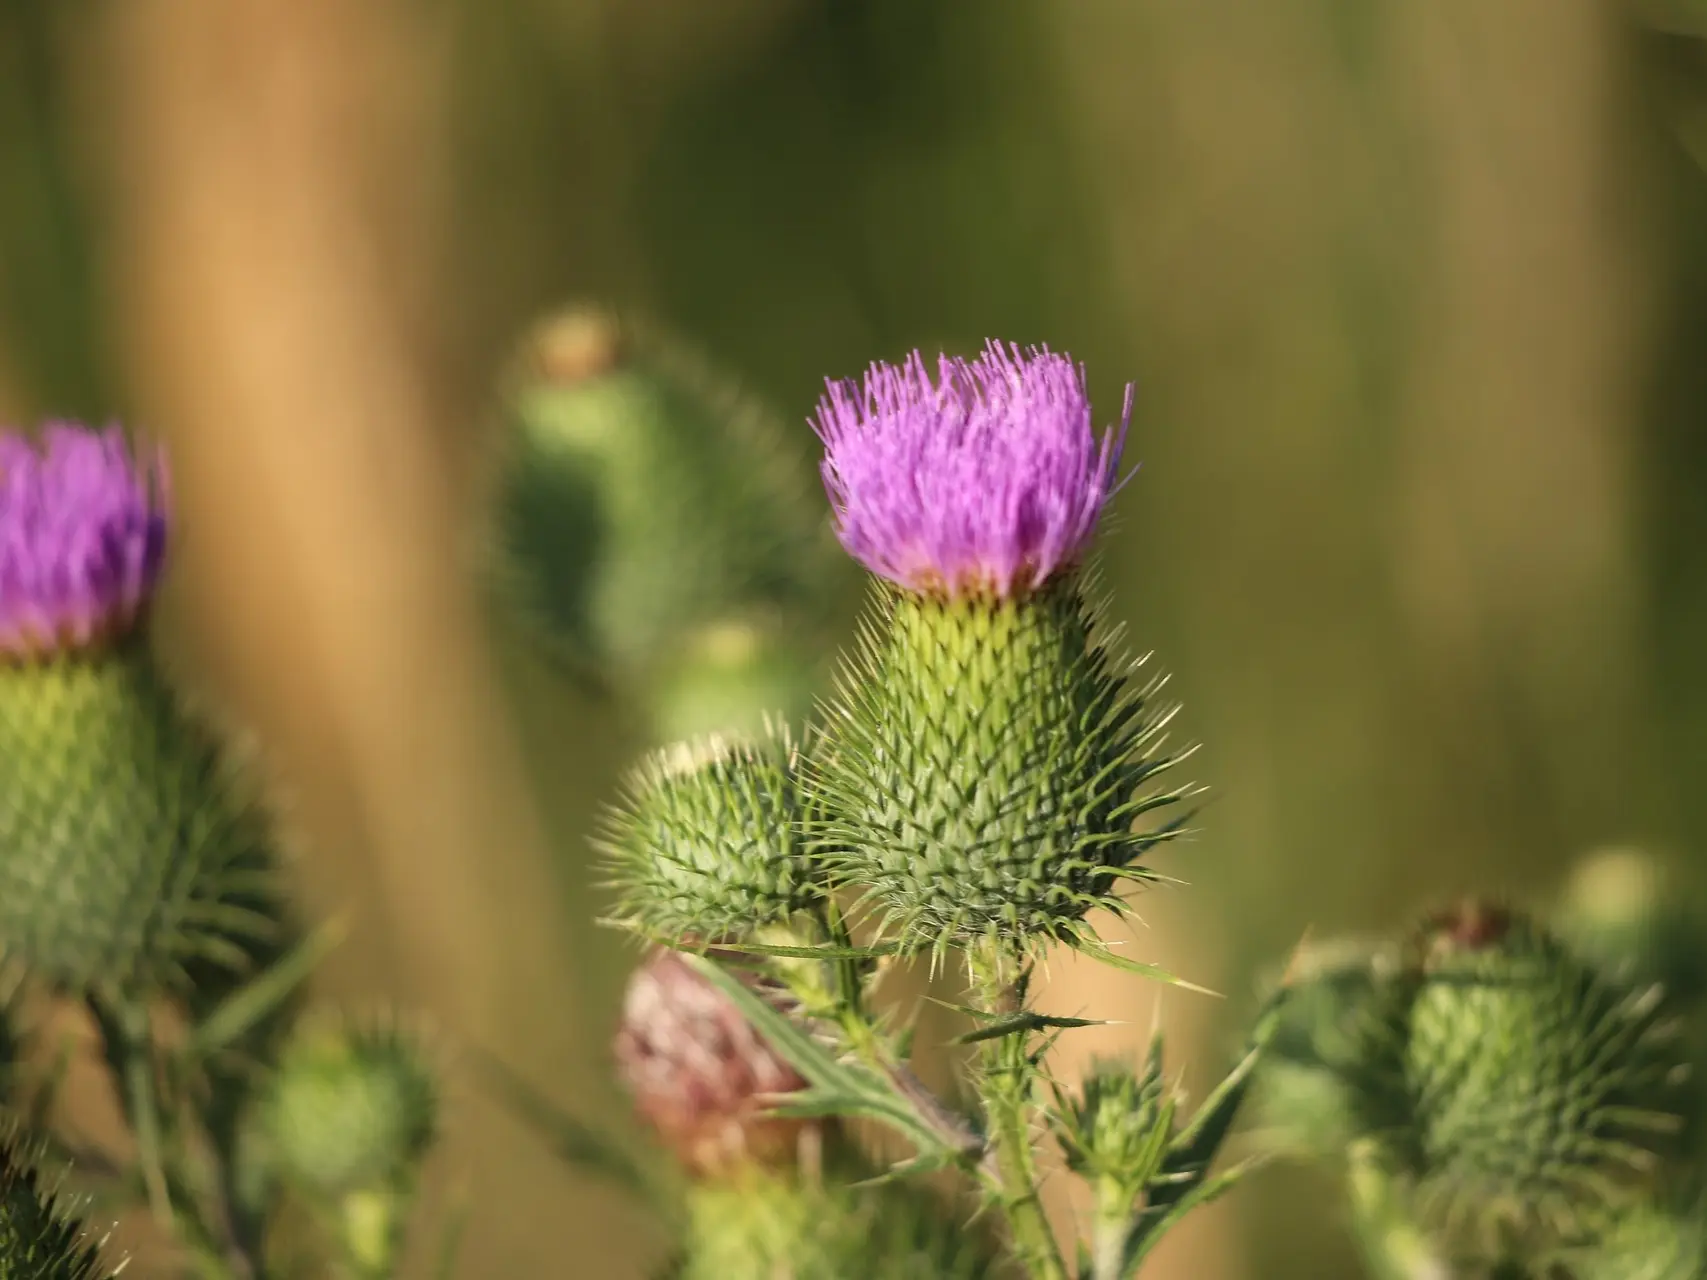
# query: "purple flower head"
987,480
82,537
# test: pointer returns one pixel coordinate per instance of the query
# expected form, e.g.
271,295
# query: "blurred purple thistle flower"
82,537
987,481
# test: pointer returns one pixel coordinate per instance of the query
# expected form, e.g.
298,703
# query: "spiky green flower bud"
1538,1094
708,842
985,762
40,1239
1111,1130
351,1109
985,768
642,499
787,1226
125,830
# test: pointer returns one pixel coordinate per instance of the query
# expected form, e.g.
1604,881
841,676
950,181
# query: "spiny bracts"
987,767
129,840
709,841
1540,1096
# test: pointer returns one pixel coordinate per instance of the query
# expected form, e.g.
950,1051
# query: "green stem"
1005,1083
135,1052
1110,1228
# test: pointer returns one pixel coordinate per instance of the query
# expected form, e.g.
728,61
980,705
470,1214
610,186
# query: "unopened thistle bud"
1541,1095
642,499
352,1108
40,1238
1109,1131
986,762
121,822
701,1077
708,842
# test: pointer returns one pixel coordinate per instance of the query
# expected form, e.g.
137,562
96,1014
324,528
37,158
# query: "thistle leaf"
837,1087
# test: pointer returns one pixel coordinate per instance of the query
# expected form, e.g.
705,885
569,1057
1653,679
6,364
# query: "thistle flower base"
117,820
984,766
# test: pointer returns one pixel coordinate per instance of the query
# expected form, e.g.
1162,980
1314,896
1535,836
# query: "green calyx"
985,769
1540,1097
39,1238
351,1110
710,840
641,497
788,1226
128,843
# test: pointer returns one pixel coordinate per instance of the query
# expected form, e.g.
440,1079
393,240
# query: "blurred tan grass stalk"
280,251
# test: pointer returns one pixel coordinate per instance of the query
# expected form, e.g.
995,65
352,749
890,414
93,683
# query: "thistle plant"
141,879
984,774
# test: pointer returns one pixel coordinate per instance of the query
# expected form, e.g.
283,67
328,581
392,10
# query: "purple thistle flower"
987,481
82,537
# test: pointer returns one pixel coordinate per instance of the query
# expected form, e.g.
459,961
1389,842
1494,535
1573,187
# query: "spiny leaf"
253,1001
1023,1024
1150,1230
837,1087
1103,954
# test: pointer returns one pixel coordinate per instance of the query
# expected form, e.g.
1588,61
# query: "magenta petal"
82,536
987,479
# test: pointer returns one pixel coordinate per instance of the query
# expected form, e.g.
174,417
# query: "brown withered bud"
701,1076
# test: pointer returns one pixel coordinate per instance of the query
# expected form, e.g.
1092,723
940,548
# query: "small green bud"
39,1238
641,498
126,835
351,1110
985,767
1541,1095
708,842
1119,1125
786,1226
